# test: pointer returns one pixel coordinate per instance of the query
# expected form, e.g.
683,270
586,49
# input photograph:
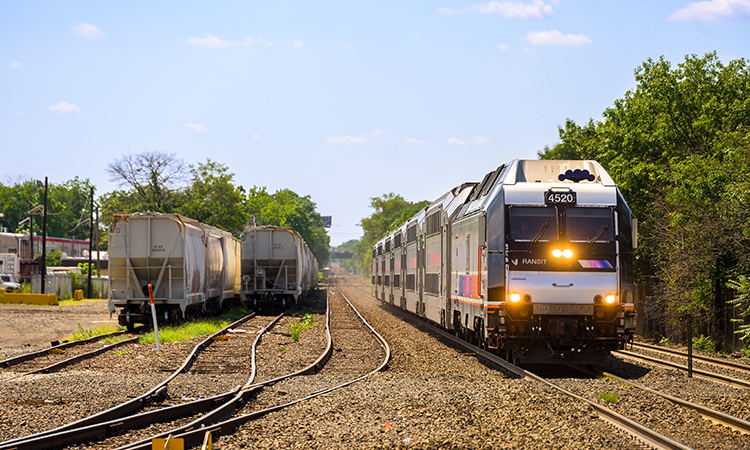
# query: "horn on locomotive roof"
576,175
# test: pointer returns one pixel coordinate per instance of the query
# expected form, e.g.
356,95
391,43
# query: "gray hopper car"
192,267
277,266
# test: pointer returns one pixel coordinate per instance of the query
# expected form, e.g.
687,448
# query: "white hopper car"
192,267
534,262
277,266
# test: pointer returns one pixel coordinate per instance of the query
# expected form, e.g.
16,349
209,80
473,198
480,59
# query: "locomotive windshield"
589,224
533,224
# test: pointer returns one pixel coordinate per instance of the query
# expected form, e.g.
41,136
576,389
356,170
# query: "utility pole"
31,230
98,252
44,237
91,235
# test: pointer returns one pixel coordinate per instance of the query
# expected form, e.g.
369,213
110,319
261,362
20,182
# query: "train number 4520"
557,198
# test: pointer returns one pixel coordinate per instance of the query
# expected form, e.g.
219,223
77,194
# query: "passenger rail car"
192,267
534,262
277,266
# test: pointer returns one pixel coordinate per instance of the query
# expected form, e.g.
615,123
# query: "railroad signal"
327,221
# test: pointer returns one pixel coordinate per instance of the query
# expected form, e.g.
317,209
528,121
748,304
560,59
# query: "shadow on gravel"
623,369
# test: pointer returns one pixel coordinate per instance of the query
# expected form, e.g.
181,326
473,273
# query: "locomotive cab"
569,252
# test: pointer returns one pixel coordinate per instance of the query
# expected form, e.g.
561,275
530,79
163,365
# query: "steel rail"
65,345
241,396
72,360
705,359
123,409
245,393
195,437
721,418
716,377
641,432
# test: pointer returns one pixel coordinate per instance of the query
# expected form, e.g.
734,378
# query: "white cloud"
88,31
345,44
502,47
65,108
480,140
713,11
196,127
346,140
447,11
256,137
415,141
211,41
298,44
537,9
254,41
455,141
554,37
15,65
415,34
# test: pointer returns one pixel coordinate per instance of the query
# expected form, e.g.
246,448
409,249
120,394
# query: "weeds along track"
355,352
96,391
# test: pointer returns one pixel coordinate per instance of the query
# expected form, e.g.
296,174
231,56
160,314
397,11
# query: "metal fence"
62,285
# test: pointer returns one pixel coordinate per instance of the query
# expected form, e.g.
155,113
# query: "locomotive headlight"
567,253
609,299
515,297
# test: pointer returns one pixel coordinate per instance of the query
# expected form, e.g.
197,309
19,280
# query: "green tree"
67,207
154,179
560,151
213,199
677,147
286,208
391,211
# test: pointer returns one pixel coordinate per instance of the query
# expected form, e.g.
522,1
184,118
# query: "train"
534,263
277,266
193,268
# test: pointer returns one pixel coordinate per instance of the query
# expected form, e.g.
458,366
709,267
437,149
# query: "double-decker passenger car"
534,262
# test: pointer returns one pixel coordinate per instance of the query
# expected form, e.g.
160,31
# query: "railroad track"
645,434
109,421
341,359
62,355
702,365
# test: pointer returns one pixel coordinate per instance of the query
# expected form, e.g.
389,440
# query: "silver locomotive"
534,262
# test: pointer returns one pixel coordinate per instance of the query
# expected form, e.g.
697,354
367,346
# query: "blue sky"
342,101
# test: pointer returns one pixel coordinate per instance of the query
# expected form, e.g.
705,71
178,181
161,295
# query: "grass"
96,331
282,348
296,328
123,352
609,397
185,331
114,339
70,301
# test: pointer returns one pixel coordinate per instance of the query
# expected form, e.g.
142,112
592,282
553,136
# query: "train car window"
491,181
529,223
589,224
397,241
411,234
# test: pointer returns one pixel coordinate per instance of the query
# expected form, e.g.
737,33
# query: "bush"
704,343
